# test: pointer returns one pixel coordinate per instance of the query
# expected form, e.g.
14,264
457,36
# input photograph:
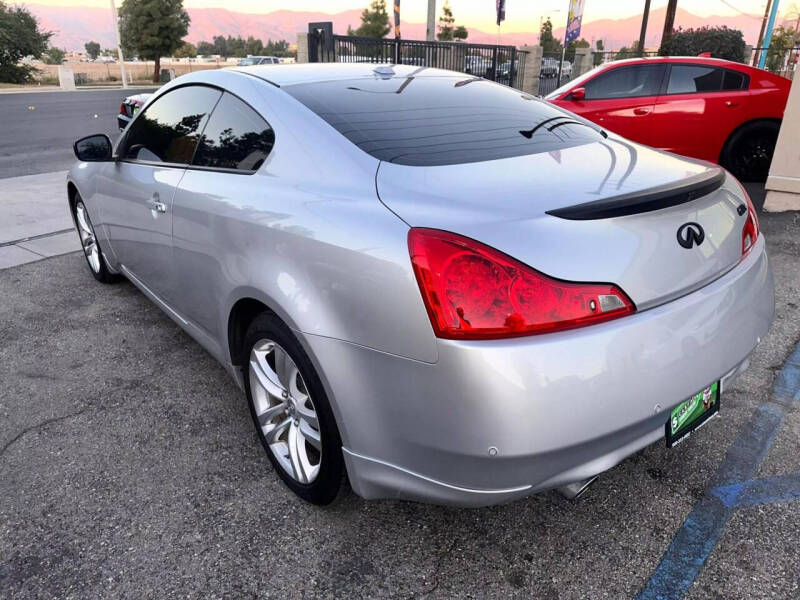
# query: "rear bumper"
493,421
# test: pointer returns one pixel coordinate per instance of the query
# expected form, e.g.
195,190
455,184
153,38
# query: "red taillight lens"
473,291
122,110
750,230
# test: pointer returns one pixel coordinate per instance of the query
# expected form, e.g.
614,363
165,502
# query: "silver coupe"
441,287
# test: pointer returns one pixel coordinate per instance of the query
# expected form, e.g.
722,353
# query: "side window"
168,130
734,80
626,82
694,79
236,137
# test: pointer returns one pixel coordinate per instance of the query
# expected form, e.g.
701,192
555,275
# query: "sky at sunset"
521,15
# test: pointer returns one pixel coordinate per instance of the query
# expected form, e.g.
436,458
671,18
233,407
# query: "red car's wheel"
748,152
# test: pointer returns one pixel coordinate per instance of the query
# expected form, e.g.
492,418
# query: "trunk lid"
605,212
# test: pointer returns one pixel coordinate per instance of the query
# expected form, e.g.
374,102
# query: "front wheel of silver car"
90,244
291,412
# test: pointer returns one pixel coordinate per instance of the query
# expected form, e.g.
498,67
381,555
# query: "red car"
716,110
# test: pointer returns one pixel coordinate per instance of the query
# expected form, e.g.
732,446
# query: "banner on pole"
397,19
501,11
574,20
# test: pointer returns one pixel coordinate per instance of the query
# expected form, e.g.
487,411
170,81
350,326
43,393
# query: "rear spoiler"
663,196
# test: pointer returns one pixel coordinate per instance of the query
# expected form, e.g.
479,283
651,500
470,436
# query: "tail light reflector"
750,229
472,291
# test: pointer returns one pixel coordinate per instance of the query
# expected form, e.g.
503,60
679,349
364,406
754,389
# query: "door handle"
641,111
731,104
157,205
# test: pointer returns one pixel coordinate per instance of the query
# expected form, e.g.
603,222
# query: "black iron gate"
503,64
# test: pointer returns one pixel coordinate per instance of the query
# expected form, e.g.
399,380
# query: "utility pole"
643,33
430,33
119,46
669,21
761,33
768,35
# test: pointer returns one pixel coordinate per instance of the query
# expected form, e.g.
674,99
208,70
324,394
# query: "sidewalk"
34,219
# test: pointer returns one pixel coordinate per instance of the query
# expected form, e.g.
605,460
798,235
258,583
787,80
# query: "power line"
740,11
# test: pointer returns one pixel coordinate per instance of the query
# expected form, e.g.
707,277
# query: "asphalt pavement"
129,467
37,129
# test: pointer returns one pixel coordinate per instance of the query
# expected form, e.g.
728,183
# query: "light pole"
768,35
119,46
430,32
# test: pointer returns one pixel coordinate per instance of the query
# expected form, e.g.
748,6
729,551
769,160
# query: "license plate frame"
691,414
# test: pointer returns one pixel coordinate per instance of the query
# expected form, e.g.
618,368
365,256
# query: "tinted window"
734,80
626,82
235,137
691,79
441,120
168,129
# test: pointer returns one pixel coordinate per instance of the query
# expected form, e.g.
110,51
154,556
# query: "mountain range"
74,25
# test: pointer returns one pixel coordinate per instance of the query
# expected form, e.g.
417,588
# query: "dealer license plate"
691,414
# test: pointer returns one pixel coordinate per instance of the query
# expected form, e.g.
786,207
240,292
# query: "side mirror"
578,94
93,148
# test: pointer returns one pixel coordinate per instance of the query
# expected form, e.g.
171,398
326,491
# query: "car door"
211,199
699,109
136,196
621,100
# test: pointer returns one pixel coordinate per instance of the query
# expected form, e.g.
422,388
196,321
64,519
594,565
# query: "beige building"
783,184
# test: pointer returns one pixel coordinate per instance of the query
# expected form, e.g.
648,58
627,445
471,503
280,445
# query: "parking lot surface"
129,467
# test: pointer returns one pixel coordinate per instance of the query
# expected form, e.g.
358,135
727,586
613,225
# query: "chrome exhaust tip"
572,491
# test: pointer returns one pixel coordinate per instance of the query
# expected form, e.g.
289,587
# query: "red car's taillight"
750,230
473,291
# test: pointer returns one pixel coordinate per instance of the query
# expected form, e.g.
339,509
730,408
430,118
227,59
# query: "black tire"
748,152
325,487
100,271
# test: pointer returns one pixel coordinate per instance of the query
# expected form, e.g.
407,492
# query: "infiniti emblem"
690,234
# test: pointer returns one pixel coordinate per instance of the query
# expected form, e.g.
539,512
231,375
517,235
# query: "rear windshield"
427,121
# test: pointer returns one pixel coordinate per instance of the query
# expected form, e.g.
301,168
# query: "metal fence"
781,61
503,64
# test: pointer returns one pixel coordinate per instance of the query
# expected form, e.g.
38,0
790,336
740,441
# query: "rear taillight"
750,230
473,291
122,110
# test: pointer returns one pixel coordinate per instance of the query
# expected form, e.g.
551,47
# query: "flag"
397,19
501,11
574,20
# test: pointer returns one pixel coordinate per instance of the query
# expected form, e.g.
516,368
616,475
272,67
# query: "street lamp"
119,46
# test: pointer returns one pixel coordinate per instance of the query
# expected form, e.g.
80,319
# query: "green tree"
721,42
626,52
152,29
549,44
446,23
783,40
53,56
460,33
20,36
374,21
205,48
92,49
598,54
220,45
186,50
254,47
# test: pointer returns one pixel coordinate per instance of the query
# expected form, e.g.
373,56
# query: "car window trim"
723,69
226,169
128,127
659,87
189,165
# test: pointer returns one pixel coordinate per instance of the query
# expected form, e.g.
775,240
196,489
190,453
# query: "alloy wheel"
88,239
285,411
